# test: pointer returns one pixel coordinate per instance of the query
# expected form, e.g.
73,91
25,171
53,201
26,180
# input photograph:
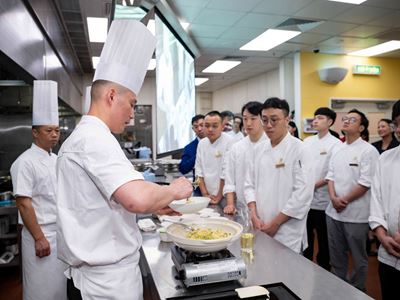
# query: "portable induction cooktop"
202,268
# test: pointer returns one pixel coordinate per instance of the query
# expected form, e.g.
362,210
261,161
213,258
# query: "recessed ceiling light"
269,39
350,1
221,66
199,81
378,49
97,28
152,64
95,61
185,25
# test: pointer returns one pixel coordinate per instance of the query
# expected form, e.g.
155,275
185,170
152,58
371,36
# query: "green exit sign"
367,70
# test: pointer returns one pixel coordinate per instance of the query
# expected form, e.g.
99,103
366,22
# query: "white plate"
192,206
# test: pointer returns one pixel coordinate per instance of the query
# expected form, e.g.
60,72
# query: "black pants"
72,292
316,219
389,278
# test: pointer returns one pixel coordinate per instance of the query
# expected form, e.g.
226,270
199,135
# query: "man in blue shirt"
189,152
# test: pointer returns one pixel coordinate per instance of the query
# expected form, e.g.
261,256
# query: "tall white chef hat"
126,54
45,103
86,100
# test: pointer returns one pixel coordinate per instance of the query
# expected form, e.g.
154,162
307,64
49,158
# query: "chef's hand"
182,188
215,199
339,203
167,211
270,228
396,237
257,223
42,247
391,245
229,209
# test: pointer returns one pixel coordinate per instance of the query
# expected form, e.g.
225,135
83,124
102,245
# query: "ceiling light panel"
269,39
97,28
95,61
199,81
378,49
221,66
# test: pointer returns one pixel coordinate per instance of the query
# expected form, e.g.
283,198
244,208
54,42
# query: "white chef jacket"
235,170
210,161
352,164
237,137
385,201
321,150
95,233
34,176
280,179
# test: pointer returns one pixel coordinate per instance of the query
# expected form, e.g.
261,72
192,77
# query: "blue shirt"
189,157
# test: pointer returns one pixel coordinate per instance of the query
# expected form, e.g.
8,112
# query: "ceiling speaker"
332,75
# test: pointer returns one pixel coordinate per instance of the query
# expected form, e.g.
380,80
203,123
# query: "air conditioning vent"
299,24
230,57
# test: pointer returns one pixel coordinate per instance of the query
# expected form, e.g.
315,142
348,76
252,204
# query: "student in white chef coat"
279,181
384,216
321,147
237,155
35,186
99,191
349,178
211,156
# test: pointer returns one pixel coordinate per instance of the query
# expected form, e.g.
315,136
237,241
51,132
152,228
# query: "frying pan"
177,234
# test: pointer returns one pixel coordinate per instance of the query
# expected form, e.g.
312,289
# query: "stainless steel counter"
272,263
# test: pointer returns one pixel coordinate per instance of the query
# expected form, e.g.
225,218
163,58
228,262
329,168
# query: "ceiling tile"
292,47
322,9
188,13
310,38
218,17
242,33
390,20
199,30
235,5
349,41
280,7
364,31
192,3
264,21
333,28
361,14
393,4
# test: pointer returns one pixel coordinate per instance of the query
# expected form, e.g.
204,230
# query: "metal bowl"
177,233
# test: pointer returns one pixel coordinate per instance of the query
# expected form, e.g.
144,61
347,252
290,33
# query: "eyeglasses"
351,120
272,121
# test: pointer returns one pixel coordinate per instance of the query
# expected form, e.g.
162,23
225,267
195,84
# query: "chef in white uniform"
99,191
279,181
35,186
236,159
211,156
321,147
384,216
349,177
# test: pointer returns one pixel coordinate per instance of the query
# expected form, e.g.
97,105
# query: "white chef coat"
321,150
34,176
237,137
352,164
235,170
385,201
280,179
210,161
97,237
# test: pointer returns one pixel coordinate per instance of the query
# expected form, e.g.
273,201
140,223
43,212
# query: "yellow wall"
315,93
